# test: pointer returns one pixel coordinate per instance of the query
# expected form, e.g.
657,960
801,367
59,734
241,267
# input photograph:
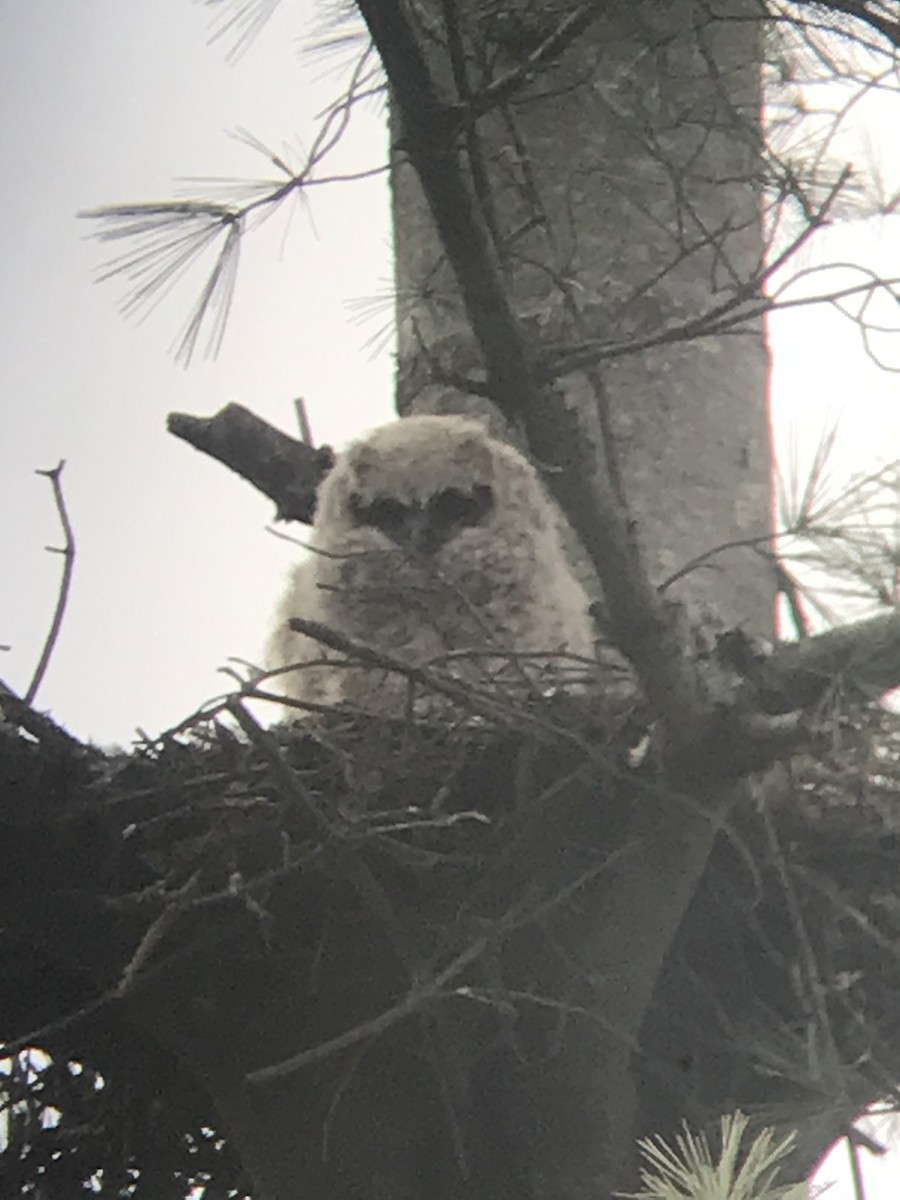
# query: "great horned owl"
438,545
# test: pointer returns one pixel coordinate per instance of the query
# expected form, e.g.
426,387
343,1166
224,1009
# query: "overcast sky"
105,102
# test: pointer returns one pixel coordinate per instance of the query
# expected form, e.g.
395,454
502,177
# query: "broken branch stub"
281,467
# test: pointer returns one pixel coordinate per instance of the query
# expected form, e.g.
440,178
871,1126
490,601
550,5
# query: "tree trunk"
623,194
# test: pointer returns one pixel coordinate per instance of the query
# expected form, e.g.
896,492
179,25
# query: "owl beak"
417,534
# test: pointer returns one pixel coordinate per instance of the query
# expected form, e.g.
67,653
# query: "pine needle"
689,1171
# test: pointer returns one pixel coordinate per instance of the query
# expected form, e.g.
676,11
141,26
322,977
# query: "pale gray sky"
106,102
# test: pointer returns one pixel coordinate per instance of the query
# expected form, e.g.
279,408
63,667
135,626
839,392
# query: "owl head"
422,481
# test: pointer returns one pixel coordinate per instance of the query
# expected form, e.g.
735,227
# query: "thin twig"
411,1003
859,1187
39,1036
334,840
68,553
475,700
303,422
176,902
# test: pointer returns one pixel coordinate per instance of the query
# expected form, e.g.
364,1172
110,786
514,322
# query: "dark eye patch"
454,507
385,513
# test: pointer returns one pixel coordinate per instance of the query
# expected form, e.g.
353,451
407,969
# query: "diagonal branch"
419,995
429,126
569,29
284,469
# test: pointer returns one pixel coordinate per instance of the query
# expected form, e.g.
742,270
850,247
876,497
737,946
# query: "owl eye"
455,507
385,514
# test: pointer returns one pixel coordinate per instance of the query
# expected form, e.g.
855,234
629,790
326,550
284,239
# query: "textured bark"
642,153
283,468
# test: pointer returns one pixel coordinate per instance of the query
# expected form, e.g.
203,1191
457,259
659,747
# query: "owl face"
438,545
425,526
422,482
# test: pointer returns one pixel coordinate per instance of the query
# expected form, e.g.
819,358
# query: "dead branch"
492,706
68,554
284,469
429,126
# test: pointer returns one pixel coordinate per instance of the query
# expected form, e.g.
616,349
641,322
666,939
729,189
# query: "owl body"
438,545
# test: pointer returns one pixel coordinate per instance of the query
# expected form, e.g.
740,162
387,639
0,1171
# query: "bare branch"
428,131
284,469
303,423
68,554
551,49
414,1000
498,705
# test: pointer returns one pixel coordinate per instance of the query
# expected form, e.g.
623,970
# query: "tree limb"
281,467
68,555
865,655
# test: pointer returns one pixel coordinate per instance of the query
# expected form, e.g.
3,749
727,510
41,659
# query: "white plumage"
438,545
